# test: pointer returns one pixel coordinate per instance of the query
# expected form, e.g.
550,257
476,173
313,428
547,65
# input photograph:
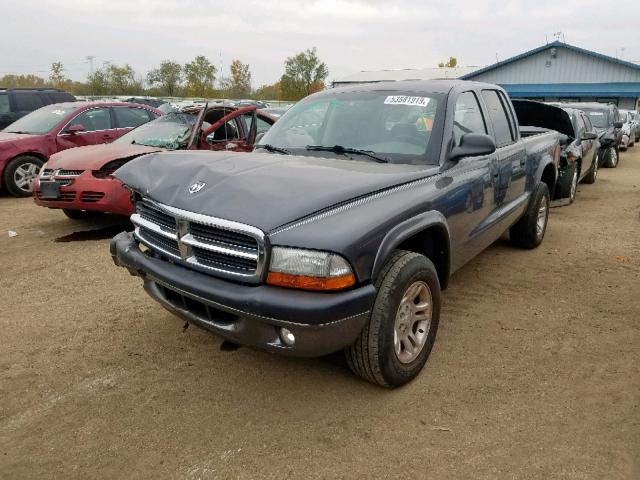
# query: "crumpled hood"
260,189
94,157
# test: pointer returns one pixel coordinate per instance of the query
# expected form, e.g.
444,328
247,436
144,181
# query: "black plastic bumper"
250,315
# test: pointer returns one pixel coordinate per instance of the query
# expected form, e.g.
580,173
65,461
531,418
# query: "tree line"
304,73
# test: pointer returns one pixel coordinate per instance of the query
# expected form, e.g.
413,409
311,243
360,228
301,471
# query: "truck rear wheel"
529,231
394,345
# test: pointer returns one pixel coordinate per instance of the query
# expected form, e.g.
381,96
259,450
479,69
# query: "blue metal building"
562,72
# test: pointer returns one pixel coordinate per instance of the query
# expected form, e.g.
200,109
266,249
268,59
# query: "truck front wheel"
529,231
394,345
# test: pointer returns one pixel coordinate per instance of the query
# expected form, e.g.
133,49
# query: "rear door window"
27,101
127,117
4,103
467,117
499,118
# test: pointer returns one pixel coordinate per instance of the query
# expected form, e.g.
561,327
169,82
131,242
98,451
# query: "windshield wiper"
347,150
271,148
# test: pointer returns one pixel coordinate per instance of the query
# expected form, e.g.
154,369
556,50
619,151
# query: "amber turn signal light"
304,282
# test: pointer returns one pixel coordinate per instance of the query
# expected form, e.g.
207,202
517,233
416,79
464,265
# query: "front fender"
409,228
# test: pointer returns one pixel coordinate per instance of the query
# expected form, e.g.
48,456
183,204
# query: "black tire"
591,177
525,232
18,168
568,182
611,157
80,214
373,355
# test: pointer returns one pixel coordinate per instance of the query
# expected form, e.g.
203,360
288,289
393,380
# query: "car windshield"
392,126
40,121
170,131
598,118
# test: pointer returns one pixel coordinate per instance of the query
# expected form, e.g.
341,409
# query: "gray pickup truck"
344,226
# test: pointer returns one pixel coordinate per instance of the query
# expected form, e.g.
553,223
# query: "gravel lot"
535,372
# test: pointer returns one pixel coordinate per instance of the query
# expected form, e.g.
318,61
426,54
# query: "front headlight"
309,269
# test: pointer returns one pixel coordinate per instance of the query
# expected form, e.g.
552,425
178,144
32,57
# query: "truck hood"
94,157
260,189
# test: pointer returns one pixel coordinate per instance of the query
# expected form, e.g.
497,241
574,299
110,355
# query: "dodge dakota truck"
342,228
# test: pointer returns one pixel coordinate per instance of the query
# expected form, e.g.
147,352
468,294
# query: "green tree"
268,92
200,75
121,80
168,76
452,63
240,79
56,77
304,73
25,81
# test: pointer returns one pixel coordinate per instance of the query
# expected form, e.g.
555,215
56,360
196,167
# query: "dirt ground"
535,372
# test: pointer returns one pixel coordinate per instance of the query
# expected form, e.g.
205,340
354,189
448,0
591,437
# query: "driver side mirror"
473,145
618,124
75,128
587,136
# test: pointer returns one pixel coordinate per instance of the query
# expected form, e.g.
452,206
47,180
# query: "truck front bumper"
253,316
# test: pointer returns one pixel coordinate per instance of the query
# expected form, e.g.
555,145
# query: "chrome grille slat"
216,246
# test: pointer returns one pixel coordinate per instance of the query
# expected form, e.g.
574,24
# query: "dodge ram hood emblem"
196,187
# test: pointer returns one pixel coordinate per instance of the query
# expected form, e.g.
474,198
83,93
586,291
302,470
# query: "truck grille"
212,245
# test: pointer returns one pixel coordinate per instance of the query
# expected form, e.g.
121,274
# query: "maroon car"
29,142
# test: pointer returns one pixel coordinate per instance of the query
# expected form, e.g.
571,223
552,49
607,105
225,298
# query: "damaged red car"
80,181
29,141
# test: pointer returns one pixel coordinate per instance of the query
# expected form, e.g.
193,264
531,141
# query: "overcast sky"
351,35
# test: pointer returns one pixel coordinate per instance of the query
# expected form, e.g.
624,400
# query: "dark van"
17,102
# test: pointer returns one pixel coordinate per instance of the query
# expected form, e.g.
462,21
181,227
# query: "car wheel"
395,343
19,175
528,232
80,214
611,158
591,177
568,183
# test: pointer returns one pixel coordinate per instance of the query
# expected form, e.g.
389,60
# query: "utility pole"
90,60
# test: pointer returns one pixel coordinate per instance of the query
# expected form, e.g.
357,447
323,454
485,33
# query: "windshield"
170,131
598,118
40,121
394,126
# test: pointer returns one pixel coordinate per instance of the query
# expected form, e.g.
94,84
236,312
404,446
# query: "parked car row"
27,143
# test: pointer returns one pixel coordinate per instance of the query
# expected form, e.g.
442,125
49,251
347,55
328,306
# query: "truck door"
471,195
509,174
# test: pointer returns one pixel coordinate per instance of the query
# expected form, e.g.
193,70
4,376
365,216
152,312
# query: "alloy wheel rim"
614,157
25,175
541,221
574,184
413,321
